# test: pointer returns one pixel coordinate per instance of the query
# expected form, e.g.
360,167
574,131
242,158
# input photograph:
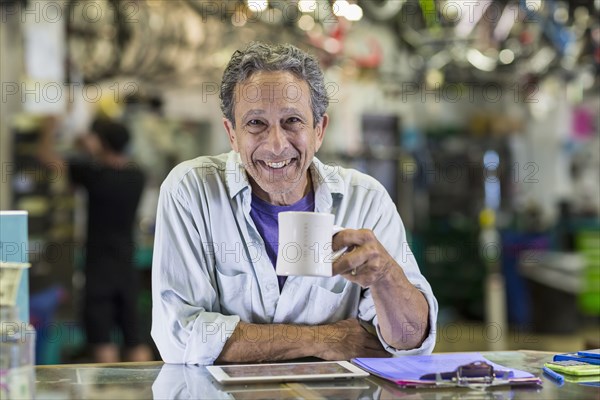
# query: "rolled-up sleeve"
187,325
389,230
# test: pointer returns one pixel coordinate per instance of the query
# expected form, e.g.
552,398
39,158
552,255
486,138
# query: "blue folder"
576,357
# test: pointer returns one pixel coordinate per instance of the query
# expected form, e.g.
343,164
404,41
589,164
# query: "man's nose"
277,140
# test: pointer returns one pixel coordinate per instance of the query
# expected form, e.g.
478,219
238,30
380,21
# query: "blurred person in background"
114,186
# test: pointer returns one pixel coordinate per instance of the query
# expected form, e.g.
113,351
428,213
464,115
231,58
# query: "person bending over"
114,186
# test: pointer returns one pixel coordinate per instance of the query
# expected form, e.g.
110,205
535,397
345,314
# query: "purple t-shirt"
265,215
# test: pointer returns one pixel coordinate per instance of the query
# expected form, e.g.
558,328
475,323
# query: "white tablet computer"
288,372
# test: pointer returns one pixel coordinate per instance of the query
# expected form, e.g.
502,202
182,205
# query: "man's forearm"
266,342
402,311
341,340
46,152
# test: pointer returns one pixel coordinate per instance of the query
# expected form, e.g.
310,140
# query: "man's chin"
276,189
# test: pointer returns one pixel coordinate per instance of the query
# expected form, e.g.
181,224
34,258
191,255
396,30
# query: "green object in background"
143,257
429,11
587,242
448,257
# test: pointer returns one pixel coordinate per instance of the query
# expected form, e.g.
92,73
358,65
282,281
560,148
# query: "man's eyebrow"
253,113
292,110
285,110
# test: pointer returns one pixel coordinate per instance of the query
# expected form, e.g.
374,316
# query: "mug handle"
337,254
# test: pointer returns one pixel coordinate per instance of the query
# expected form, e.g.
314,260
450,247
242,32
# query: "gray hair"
282,57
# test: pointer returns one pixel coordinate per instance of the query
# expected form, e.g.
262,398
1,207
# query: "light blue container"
13,249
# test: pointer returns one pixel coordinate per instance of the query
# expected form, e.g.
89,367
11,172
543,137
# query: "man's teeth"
278,165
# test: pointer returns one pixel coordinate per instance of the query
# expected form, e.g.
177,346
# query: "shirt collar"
327,181
235,174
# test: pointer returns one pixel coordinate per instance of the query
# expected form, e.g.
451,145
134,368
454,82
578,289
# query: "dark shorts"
110,302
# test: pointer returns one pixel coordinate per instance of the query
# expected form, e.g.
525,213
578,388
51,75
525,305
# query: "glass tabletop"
156,380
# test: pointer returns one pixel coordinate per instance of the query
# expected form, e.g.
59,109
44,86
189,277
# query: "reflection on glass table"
170,381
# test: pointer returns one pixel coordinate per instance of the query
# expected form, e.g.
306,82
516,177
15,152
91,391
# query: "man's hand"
347,339
46,153
367,262
402,311
341,340
89,144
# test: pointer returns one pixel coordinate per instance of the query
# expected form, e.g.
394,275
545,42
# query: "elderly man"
216,295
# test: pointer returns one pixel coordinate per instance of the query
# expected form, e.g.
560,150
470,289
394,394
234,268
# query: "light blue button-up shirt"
210,268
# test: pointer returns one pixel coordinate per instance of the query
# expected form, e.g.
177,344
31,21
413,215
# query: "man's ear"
231,134
320,131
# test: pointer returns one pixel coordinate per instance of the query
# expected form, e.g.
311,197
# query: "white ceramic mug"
305,244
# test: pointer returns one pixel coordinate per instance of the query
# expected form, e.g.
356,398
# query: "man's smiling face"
275,135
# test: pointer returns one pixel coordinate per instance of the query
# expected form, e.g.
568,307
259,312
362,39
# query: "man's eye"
255,126
293,123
